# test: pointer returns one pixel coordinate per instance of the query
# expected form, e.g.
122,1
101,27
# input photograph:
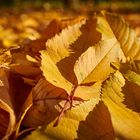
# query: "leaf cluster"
79,80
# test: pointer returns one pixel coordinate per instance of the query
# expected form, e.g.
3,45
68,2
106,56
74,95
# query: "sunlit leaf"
125,35
126,122
52,74
130,70
69,76
59,46
88,68
79,117
88,92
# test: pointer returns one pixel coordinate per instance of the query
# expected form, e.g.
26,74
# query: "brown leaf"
132,96
46,107
4,117
22,66
6,104
99,122
12,99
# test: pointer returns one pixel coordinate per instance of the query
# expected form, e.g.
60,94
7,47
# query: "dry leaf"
5,57
69,125
125,35
55,70
126,122
46,98
88,68
6,105
48,101
130,70
12,99
52,74
21,65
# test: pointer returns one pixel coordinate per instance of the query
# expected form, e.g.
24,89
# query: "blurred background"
21,20
125,6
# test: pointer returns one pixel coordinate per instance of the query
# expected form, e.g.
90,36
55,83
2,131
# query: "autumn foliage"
66,78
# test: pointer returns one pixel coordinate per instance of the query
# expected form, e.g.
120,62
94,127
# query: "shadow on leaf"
97,125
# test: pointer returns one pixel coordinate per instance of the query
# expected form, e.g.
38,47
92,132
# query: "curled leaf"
6,105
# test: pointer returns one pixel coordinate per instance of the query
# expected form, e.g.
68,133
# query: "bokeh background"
29,19
125,6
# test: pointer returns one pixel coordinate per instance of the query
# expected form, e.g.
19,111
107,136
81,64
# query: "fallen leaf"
5,57
10,98
89,37
58,47
52,74
124,34
21,65
46,107
88,68
113,96
88,92
130,70
6,105
69,125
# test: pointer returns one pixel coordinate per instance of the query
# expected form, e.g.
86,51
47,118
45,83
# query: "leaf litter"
79,74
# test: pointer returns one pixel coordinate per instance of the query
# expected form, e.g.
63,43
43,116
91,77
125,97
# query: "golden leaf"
88,120
88,68
124,34
5,57
126,122
58,47
52,74
130,70
88,92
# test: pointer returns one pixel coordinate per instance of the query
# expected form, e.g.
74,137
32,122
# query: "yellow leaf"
86,121
48,101
130,70
58,47
126,122
86,35
88,92
124,34
94,64
5,57
52,74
